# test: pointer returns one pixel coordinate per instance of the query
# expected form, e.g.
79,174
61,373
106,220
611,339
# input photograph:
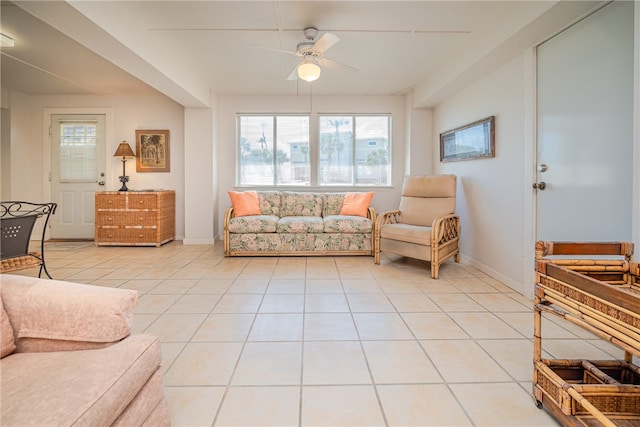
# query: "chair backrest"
17,221
425,198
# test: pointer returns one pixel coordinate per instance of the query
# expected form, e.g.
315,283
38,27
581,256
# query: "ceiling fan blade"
325,42
293,75
261,46
335,65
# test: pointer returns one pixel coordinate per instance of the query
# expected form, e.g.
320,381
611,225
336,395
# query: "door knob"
539,185
100,182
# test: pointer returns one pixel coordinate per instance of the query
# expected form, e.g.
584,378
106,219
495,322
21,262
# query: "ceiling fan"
312,53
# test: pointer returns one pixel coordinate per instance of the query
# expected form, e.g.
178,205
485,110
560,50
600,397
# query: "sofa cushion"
253,224
300,224
87,387
270,202
301,204
407,233
347,224
332,203
7,341
244,203
58,310
356,204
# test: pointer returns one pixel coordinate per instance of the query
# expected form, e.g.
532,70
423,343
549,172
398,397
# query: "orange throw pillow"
245,203
356,204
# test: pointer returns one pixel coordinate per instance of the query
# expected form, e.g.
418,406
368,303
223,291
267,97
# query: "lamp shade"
124,150
308,71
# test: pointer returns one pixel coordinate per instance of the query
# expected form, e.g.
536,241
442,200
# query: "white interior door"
585,129
77,172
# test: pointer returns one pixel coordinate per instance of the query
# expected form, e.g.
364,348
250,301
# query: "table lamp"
124,151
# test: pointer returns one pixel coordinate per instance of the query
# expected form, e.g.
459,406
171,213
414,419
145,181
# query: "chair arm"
445,229
53,315
387,217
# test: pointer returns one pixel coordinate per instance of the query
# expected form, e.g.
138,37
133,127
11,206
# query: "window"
354,150
276,150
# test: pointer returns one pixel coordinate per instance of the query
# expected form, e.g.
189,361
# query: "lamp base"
124,180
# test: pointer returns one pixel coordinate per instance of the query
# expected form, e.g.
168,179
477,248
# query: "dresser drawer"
142,201
127,236
110,201
121,219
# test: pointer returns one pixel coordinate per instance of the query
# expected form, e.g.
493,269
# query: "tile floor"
330,341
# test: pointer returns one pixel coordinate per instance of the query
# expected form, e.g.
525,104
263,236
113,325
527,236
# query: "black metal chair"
17,220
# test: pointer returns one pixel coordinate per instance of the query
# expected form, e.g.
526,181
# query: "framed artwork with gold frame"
152,147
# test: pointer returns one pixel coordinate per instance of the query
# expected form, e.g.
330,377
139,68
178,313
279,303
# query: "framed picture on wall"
473,141
152,147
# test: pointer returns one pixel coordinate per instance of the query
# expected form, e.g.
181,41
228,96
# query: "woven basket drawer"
142,201
110,201
144,219
127,235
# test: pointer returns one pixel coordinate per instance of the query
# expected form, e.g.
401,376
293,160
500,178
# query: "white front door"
585,129
77,172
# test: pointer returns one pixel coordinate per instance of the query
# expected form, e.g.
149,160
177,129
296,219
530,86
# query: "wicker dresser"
135,218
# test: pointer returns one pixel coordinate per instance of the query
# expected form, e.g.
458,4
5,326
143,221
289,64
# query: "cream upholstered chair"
425,225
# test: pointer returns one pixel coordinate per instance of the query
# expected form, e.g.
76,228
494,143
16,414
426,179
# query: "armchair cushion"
407,233
425,198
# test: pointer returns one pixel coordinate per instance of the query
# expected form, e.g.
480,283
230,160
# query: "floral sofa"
301,223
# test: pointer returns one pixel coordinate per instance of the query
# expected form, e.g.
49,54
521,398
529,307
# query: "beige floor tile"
238,303
334,362
286,286
573,349
501,404
141,285
412,303
195,304
340,406
426,326
224,327
523,323
269,406
497,302
450,303
173,286
421,406
381,326
515,356
282,303
370,303
142,321
92,274
400,286
194,365
463,361
484,325
360,286
249,286
170,351
193,406
211,286
176,327
440,286
326,303
472,285
322,286
269,363
329,326
322,272
399,362
154,304
277,327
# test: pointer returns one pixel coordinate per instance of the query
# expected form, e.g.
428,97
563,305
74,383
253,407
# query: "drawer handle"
141,201
110,201
109,219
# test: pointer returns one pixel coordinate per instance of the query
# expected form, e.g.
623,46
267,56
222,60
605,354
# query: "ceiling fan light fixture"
308,71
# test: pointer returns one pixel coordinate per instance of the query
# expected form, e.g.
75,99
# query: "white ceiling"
184,49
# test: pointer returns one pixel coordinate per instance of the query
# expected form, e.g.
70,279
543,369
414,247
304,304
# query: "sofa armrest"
53,315
228,214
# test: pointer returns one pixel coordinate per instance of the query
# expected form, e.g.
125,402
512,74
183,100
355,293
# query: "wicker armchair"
425,225
17,220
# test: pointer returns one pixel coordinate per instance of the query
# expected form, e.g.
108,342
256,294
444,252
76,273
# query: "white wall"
229,106
28,141
491,200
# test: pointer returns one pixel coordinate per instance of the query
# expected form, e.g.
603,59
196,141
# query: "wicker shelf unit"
601,295
135,218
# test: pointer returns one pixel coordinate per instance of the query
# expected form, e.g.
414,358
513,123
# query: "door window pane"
78,149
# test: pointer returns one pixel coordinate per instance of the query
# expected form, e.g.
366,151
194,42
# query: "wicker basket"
612,387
